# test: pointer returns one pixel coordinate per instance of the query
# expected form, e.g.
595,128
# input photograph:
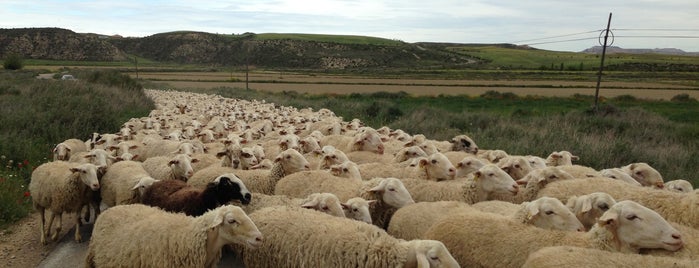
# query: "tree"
12,62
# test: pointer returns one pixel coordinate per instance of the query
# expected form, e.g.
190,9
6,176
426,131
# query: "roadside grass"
37,114
664,134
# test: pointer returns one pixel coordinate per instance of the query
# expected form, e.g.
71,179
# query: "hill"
664,51
315,52
57,44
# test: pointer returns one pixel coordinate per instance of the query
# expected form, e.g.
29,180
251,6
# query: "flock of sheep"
288,187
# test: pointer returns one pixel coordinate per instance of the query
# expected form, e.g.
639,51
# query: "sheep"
516,166
676,207
97,157
323,202
264,164
578,171
468,165
407,153
618,174
487,181
680,186
544,212
588,208
534,182
644,174
389,192
436,167
347,169
65,149
178,167
561,158
493,156
335,242
124,183
62,187
357,208
258,180
178,196
484,240
411,222
567,256
238,157
463,143
141,236
362,141
332,156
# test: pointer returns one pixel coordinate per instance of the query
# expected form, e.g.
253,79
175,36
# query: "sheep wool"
567,256
141,236
333,242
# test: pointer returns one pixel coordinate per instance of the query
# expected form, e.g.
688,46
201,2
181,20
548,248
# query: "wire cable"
558,36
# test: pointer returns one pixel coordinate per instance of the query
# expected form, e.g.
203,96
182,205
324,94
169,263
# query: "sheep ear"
74,169
345,206
310,204
575,158
532,210
422,261
423,163
477,175
586,205
173,162
218,220
379,188
221,154
370,202
195,160
609,219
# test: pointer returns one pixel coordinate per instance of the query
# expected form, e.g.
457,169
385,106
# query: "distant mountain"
615,49
57,44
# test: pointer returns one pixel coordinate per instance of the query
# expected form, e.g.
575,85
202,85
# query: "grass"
664,134
37,114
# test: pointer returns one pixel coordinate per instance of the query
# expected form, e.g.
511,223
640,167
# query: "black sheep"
178,196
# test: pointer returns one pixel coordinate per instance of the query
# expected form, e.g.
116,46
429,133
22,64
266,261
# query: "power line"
666,30
562,41
656,36
558,36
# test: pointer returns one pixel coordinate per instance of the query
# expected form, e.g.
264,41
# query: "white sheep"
323,202
142,236
346,170
258,180
407,153
61,187
618,174
362,141
644,174
468,165
588,208
567,256
544,212
487,181
436,167
561,158
578,171
485,240
357,208
124,183
65,149
331,156
534,181
97,157
680,186
178,167
335,242
676,207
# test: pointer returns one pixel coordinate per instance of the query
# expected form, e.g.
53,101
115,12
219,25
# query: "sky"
561,25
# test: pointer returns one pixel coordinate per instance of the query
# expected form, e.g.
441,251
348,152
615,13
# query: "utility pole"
135,59
601,66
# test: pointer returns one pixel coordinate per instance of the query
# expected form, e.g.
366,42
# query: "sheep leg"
48,227
78,223
43,221
54,237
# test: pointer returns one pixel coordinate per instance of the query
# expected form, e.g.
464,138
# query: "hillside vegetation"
38,114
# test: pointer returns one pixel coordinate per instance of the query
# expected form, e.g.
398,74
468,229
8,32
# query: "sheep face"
309,144
680,186
346,170
639,227
517,167
88,175
408,153
358,209
588,208
230,187
181,166
247,158
61,152
235,227
562,158
619,174
393,192
332,156
541,177
467,166
438,167
143,184
368,141
290,142
324,202
463,143
98,157
493,180
292,161
429,253
550,213
645,174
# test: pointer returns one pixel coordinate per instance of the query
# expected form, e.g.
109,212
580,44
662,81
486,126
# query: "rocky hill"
57,44
616,49
225,50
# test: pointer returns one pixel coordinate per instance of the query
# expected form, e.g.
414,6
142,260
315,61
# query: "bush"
15,201
13,62
683,98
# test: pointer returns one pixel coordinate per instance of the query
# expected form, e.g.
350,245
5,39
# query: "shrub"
15,201
683,98
13,62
